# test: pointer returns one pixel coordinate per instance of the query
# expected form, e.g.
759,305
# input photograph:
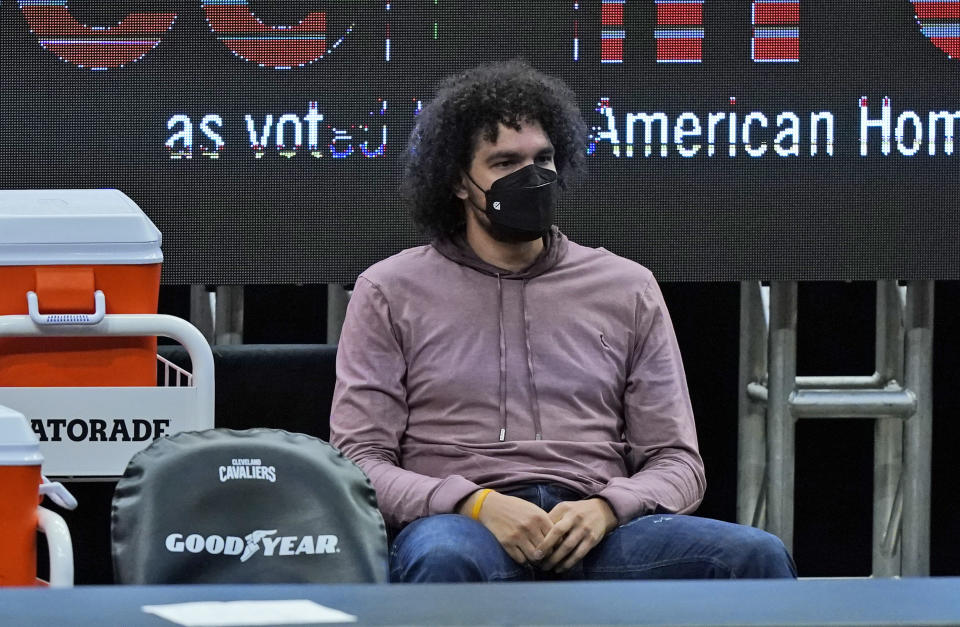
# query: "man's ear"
460,189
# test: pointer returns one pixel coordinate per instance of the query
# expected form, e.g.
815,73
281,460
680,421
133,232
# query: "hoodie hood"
457,249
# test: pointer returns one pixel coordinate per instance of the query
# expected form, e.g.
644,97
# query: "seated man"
518,400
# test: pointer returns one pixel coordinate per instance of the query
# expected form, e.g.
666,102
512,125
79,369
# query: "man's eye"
545,159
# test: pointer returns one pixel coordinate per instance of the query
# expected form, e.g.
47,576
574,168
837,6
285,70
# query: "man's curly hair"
469,106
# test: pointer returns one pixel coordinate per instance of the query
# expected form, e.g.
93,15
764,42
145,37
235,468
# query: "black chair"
285,386
253,506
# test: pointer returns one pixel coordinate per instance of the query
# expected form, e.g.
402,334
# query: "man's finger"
515,554
573,540
535,530
582,549
556,514
546,524
530,551
550,540
556,534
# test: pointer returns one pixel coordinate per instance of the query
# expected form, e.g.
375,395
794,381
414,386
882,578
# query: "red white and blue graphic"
776,31
612,33
679,31
940,22
94,47
279,47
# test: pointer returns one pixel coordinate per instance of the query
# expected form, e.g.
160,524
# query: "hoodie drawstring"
503,363
534,400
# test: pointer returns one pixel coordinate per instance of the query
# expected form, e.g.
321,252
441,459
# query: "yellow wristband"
484,493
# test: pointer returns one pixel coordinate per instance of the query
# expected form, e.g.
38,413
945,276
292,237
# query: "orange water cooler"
79,280
69,257
20,518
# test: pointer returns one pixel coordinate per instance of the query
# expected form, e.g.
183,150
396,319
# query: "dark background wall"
261,214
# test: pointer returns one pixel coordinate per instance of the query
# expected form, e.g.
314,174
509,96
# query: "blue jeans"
453,548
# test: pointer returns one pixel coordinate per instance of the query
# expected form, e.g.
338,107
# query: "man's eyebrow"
503,154
513,154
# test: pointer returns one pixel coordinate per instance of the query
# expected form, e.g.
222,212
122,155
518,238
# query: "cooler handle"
59,546
100,309
58,493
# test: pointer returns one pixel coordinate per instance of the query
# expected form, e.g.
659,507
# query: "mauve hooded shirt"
454,375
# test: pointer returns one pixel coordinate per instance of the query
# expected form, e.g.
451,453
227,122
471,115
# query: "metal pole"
889,403
228,323
337,299
888,435
918,431
842,382
751,451
201,313
780,422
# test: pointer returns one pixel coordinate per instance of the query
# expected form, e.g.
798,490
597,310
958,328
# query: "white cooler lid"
75,226
18,443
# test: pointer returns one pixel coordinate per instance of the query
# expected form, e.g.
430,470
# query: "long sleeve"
369,413
659,426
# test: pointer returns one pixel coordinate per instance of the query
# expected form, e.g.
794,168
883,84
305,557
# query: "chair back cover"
252,506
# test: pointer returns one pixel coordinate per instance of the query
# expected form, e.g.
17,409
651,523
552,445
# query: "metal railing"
772,398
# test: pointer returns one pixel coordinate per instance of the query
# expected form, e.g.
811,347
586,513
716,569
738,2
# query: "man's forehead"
530,135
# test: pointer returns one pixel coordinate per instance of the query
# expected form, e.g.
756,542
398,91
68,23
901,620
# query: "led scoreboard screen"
729,139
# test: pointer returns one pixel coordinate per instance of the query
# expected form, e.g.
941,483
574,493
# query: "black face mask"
521,205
